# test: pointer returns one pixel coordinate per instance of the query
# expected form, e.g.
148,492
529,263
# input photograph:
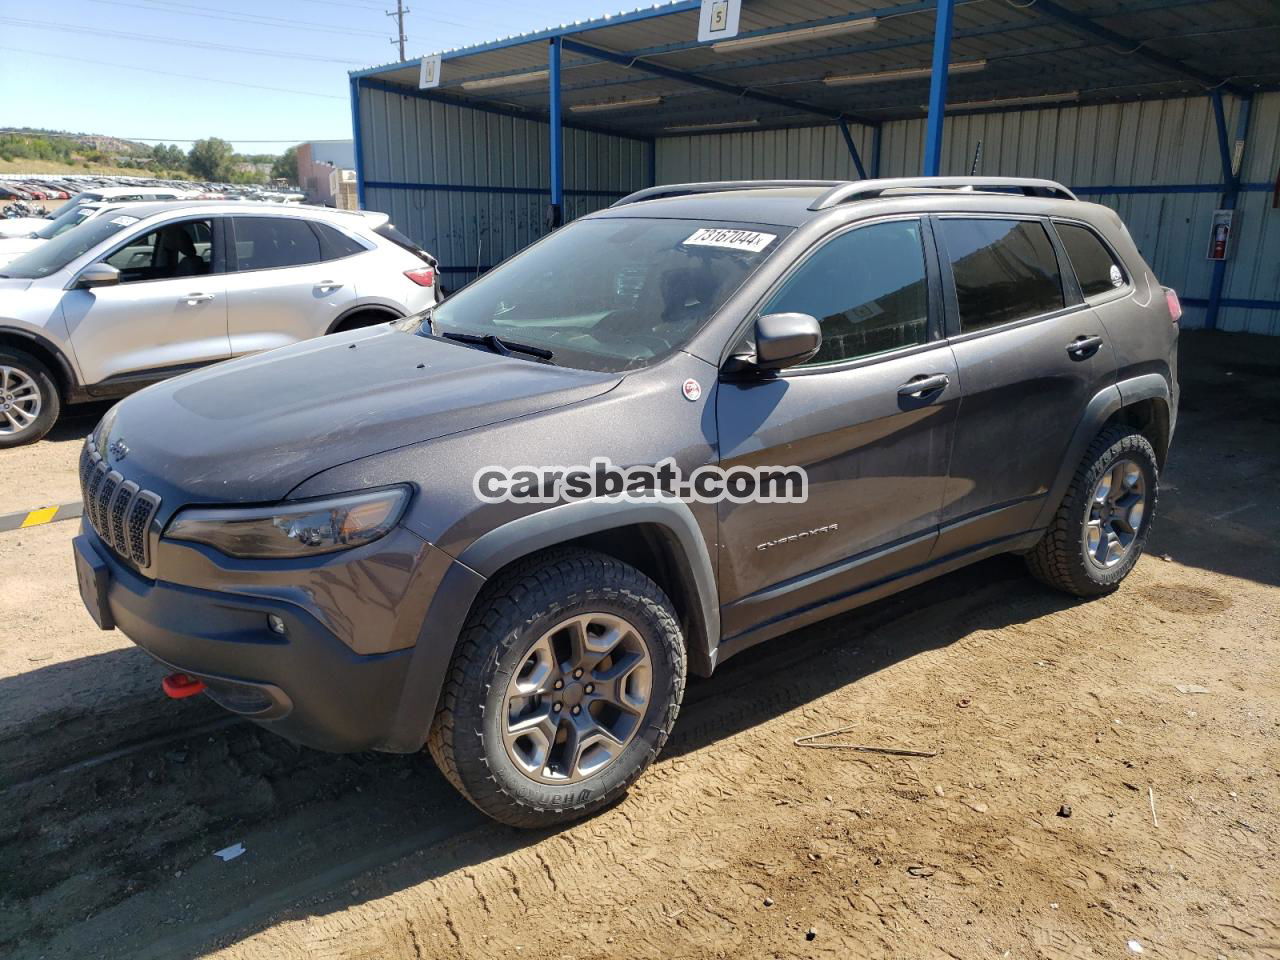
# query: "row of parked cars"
44,187
117,291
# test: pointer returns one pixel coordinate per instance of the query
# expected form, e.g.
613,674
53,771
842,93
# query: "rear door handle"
328,285
919,386
194,298
1083,347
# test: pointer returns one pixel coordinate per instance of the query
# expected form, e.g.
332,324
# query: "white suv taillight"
424,277
1175,305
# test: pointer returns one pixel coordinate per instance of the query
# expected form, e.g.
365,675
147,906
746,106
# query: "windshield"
57,253
64,221
611,294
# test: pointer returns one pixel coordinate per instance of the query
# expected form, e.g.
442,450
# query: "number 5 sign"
718,19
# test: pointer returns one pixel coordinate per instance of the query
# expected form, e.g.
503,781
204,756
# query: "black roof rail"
870,189
687,189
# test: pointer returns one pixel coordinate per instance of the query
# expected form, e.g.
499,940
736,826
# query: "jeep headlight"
299,529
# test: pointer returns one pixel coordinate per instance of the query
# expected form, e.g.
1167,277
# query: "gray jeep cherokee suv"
962,367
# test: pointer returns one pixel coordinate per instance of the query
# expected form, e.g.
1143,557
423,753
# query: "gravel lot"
738,843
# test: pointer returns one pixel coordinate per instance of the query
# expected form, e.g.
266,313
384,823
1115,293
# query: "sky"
161,70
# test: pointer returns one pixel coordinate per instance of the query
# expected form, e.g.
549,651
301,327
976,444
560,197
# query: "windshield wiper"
497,344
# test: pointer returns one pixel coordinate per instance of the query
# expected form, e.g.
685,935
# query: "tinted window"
334,243
867,288
183,249
1096,269
266,242
1004,270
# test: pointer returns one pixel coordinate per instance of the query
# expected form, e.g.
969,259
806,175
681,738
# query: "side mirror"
97,275
786,339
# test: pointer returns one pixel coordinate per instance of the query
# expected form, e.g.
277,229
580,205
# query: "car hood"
21,226
250,430
14,247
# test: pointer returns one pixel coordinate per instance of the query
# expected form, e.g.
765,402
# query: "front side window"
611,294
1096,269
264,243
183,249
1004,270
867,287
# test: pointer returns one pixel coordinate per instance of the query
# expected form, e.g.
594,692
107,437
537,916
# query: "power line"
167,41
262,21
168,73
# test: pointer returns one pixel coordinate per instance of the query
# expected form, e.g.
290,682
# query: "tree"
286,166
211,159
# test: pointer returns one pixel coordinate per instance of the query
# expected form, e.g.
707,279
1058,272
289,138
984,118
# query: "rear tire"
29,399
1100,530
577,737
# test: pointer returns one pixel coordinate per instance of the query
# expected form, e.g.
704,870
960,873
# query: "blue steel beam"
693,79
853,148
357,140
557,130
1230,193
938,88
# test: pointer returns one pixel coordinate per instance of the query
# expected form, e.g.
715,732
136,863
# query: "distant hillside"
90,141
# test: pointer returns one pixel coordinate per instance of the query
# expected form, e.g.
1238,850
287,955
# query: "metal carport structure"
1166,109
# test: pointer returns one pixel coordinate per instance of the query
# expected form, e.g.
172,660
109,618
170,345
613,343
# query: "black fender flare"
71,382
391,312
489,553
1106,403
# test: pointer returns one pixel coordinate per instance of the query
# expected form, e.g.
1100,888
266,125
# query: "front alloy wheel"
564,686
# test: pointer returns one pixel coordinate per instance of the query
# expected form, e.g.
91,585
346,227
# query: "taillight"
1175,305
425,277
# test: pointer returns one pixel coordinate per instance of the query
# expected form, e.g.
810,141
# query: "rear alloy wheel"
564,686
29,400
1101,527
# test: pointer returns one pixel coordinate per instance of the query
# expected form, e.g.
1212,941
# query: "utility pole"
399,13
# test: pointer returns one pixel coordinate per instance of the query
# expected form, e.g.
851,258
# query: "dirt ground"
738,843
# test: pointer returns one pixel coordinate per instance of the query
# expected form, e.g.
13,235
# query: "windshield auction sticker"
750,240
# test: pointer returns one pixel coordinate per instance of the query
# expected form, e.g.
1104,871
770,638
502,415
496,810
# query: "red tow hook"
180,685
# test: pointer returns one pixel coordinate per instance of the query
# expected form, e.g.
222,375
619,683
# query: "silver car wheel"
577,699
1115,513
20,401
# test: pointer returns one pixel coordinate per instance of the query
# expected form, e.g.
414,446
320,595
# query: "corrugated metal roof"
1024,50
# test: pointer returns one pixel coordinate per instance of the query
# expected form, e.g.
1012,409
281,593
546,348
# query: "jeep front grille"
118,510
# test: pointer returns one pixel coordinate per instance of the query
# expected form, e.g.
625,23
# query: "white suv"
153,290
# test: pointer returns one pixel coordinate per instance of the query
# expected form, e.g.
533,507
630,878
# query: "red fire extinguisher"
1219,249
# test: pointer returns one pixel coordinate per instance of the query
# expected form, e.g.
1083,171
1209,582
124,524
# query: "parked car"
130,193
20,234
153,290
961,367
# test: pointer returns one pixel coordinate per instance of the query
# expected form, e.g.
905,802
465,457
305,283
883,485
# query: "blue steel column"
938,87
853,148
557,133
357,140
1230,193
875,151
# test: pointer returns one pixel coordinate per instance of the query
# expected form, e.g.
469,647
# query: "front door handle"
194,298
922,385
328,285
1082,347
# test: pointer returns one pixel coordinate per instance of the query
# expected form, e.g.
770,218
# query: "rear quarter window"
1097,270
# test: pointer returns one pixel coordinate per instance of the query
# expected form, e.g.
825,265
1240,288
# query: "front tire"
29,399
564,686
1101,528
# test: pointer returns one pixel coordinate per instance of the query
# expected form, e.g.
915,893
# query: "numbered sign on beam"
718,19
429,74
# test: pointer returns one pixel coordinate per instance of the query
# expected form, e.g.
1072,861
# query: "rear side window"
263,243
1004,270
1096,269
334,243
867,288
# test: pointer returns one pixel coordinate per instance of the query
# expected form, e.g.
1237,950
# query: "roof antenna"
977,159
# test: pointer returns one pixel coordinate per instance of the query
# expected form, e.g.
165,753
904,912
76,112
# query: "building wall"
805,153
472,186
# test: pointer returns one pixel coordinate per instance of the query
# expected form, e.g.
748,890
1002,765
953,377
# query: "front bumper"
307,684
